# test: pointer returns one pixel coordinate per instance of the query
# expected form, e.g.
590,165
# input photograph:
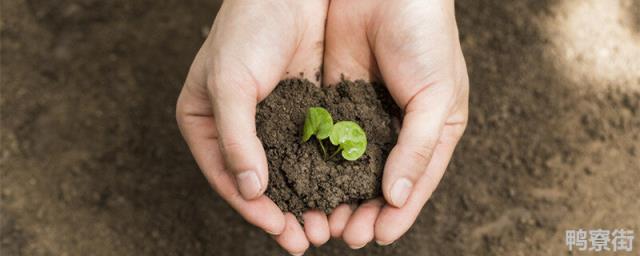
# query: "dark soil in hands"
299,177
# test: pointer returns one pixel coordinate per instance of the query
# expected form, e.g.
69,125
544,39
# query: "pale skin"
411,45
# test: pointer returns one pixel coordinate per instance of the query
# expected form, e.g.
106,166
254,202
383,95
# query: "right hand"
251,47
413,46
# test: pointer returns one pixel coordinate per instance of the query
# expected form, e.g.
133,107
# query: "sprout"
350,139
347,135
318,122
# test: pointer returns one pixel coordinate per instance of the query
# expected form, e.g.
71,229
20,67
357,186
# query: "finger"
234,109
360,228
234,93
200,133
316,227
339,218
393,222
293,239
347,52
422,123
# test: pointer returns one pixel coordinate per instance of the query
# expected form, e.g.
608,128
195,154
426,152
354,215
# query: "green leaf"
350,137
318,122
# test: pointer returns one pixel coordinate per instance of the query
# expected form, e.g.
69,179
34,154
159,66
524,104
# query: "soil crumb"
299,177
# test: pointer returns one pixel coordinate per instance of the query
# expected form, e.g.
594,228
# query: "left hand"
413,46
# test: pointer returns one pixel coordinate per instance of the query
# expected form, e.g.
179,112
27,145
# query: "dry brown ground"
92,162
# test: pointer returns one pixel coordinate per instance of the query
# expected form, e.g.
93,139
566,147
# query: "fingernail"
380,243
248,184
357,246
271,232
297,254
400,191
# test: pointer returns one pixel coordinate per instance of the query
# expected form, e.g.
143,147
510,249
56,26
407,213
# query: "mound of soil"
299,177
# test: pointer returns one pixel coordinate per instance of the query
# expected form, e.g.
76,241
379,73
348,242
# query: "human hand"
251,47
414,47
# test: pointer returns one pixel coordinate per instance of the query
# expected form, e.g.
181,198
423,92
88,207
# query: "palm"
269,41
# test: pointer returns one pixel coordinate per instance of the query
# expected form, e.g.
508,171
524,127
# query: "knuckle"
232,194
180,107
421,153
178,116
179,113
419,156
230,145
461,129
242,81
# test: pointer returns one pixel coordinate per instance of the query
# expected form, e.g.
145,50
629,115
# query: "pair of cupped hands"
411,45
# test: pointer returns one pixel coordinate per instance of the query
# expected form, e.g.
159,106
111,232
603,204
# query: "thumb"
245,59
234,111
416,58
234,102
422,124
234,108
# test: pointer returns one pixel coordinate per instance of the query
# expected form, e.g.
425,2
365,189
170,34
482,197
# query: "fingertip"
249,184
392,223
271,219
360,229
277,227
316,227
338,220
293,238
250,172
261,212
404,166
381,243
399,191
244,158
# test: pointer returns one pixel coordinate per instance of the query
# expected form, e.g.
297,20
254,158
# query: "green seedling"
347,135
319,123
350,139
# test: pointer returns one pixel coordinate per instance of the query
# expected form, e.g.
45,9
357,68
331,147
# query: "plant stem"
324,151
334,154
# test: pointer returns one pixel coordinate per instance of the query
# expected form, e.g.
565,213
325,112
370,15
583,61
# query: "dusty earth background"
92,162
